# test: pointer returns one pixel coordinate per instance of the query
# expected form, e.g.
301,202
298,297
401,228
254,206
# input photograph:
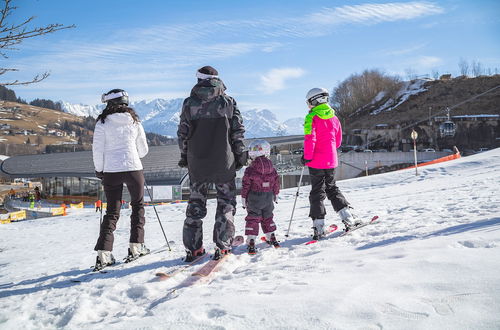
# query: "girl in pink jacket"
260,187
322,138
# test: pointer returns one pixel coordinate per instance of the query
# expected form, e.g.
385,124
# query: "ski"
264,239
345,232
162,276
330,229
83,277
210,266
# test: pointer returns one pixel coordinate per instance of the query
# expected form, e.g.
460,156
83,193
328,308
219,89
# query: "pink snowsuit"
260,186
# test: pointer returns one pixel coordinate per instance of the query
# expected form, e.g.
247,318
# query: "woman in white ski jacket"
118,146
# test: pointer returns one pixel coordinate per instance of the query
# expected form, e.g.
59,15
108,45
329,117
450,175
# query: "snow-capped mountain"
261,123
82,110
161,116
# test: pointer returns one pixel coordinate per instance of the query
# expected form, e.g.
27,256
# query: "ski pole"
100,208
157,216
295,202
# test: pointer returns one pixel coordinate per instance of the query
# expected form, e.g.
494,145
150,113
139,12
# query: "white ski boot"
135,251
104,258
319,228
348,219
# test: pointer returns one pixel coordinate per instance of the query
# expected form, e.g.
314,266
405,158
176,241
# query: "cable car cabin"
448,128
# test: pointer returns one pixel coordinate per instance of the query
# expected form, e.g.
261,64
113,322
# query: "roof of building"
160,164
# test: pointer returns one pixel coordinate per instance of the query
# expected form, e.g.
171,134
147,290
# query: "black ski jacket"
210,133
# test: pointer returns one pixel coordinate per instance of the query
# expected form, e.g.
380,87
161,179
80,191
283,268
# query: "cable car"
448,128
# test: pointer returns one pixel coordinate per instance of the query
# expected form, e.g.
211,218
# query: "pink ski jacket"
322,137
260,176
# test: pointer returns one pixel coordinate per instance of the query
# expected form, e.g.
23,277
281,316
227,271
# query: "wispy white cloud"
375,13
428,62
274,80
403,51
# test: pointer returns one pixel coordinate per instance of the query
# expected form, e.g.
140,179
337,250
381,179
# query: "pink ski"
210,266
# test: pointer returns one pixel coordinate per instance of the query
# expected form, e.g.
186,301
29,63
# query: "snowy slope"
385,103
162,116
430,263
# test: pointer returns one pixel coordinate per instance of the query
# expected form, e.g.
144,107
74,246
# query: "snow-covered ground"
432,262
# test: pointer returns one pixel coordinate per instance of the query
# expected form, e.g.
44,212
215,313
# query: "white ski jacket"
119,144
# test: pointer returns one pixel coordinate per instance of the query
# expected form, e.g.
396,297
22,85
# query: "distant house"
4,126
382,126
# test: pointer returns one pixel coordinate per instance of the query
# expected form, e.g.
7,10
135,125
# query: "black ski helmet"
115,97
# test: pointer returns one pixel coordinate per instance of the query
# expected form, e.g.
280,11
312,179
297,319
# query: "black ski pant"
223,232
323,186
113,187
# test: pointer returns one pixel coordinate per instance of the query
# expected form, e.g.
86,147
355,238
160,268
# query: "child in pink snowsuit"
260,188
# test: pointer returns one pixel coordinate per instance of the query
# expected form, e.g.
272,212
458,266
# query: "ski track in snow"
430,262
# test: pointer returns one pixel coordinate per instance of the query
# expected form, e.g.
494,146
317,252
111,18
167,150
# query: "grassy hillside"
18,122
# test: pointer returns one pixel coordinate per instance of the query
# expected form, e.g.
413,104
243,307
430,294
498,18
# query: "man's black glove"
241,160
184,161
304,161
99,175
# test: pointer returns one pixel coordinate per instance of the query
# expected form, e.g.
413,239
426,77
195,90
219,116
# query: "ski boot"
251,244
135,251
103,259
318,228
348,219
220,253
271,240
193,255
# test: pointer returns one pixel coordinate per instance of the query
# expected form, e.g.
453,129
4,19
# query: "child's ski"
162,276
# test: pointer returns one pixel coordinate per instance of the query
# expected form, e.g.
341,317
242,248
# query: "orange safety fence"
438,160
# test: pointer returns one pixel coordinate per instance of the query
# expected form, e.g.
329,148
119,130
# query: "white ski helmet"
317,96
259,148
115,96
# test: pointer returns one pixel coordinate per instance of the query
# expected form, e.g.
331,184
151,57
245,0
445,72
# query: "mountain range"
161,116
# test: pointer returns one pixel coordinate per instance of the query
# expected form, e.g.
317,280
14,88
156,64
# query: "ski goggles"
106,97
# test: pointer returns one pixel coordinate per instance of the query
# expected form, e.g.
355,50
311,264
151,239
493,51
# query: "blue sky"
268,53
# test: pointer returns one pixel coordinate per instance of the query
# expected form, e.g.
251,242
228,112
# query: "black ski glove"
241,159
304,161
184,161
99,175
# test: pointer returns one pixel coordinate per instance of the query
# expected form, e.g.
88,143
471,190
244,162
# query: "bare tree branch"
15,33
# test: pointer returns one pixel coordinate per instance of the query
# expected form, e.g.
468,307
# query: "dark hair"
117,108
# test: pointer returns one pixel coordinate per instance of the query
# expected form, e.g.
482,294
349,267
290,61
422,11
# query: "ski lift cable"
442,111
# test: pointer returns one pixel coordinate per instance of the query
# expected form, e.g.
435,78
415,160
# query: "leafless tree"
410,74
477,68
14,33
464,67
360,89
435,74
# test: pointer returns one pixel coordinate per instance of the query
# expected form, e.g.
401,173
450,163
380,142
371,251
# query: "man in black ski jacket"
210,136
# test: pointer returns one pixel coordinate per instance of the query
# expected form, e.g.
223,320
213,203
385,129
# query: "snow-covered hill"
431,262
162,116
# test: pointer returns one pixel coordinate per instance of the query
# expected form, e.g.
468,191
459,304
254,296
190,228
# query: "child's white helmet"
259,148
317,96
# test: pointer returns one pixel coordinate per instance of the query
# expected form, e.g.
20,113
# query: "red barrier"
438,160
